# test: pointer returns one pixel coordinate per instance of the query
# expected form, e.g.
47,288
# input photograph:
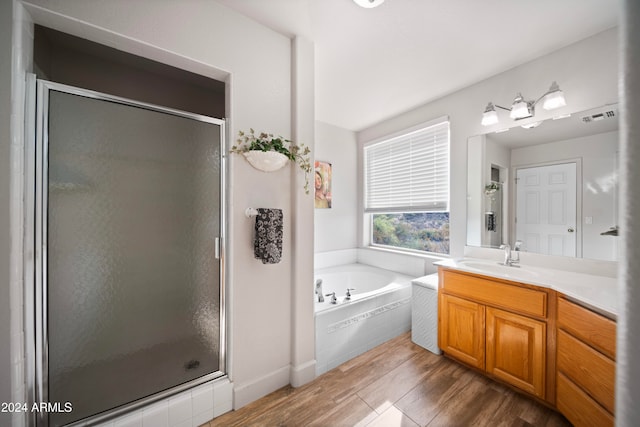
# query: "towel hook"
249,212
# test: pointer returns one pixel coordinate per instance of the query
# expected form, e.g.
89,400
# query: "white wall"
586,71
336,228
496,155
303,320
6,17
599,185
628,368
209,39
475,190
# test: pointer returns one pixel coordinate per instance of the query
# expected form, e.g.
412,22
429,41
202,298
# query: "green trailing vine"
298,153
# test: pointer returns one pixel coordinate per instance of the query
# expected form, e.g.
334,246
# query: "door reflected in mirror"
552,186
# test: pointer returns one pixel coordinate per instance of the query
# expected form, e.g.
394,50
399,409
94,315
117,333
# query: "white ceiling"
372,64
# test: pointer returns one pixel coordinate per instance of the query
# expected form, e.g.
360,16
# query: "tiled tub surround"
379,309
413,265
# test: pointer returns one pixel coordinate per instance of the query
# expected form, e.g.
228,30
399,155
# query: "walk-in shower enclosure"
125,211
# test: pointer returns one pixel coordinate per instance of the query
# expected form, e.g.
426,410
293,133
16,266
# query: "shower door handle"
216,249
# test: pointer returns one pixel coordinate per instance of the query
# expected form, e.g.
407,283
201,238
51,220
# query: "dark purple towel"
268,242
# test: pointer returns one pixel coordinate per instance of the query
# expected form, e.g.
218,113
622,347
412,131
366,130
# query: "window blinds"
409,173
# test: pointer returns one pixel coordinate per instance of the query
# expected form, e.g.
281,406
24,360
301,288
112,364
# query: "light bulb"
519,108
554,98
490,116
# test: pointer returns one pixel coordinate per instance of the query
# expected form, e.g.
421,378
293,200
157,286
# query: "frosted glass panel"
133,284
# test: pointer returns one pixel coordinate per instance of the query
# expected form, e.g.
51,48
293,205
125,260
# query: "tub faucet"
319,290
334,300
348,297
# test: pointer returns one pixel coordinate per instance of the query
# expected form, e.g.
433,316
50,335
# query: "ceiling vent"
604,113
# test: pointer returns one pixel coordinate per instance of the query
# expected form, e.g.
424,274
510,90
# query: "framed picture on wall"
322,185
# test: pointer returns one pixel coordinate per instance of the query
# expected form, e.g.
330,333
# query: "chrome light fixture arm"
523,109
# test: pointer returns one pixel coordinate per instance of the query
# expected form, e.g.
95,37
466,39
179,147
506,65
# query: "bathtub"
379,309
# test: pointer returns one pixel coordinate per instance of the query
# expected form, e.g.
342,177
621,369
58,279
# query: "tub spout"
319,290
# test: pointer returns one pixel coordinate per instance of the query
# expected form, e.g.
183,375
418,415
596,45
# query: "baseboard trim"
244,394
303,373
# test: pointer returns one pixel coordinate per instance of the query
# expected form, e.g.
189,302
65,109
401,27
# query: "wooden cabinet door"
586,350
579,407
516,348
462,330
589,327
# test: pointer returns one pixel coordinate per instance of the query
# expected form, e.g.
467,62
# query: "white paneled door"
546,203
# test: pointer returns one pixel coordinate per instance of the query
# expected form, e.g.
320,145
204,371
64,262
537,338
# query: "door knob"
571,230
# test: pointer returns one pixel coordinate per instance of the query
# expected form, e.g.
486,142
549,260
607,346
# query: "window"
407,189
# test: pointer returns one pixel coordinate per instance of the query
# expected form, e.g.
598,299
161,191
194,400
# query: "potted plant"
269,153
491,188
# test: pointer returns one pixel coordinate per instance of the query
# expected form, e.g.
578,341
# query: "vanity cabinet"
461,330
497,326
586,352
516,350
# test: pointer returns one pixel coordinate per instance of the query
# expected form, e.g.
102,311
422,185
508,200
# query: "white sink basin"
494,268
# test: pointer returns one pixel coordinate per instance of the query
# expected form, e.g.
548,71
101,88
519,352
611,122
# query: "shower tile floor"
123,379
396,384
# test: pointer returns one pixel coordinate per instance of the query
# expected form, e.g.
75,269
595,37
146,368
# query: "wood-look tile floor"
397,384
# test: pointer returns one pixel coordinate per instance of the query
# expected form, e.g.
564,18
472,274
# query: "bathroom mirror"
552,185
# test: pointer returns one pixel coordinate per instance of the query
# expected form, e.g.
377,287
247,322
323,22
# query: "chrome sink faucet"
516,248
508,261
319,290
507,254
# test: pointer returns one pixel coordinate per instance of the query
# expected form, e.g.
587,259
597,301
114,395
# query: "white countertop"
430,281
599,292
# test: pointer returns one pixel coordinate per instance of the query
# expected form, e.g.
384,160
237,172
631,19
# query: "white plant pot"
266,161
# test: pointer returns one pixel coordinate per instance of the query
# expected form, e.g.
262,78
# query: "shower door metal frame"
36,193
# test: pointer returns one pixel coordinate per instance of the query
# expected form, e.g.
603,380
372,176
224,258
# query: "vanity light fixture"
554,98
522,109
368,4
490,115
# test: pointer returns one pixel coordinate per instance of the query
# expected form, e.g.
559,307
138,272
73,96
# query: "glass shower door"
129,217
